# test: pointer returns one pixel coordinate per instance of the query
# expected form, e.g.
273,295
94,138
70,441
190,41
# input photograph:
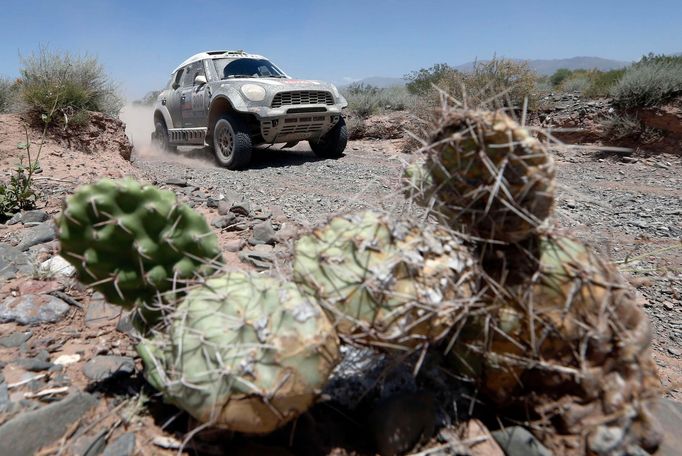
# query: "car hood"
278,85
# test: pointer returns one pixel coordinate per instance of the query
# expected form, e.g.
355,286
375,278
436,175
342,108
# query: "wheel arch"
164,115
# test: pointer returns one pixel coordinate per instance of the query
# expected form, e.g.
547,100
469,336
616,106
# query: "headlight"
335,91
253,92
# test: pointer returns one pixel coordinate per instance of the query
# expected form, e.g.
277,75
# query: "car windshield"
246,68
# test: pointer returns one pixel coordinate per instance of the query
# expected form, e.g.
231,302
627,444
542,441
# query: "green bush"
576,83
67,85
8,91
365,100
421,82
601,83
652,81
559,76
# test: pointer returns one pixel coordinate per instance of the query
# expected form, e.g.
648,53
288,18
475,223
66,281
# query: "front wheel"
160,138
333,143
231,142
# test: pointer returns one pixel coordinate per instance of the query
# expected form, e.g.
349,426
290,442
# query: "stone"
57,266
286,232
518,441
472,431
5,403
33,309
234,245
16,218
669,415
212,202
33,364
90,445
100,312
125,324
241,208
224,207
263,233
674,351
176,181
15,339
605,439
102,368
33,430
223,221
401,422
39,234
35,216
122,446
13,263
261,260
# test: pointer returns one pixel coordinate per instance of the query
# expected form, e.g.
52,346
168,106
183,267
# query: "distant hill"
546,67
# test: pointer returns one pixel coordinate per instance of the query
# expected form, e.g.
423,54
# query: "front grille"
302,97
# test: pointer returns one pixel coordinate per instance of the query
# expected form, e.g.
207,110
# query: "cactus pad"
244,352
132,241
491,178
385,283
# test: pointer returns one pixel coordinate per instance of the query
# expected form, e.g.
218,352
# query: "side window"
191,72
178,77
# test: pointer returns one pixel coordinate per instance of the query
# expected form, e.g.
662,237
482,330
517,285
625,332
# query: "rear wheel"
333,143
231,142
161,137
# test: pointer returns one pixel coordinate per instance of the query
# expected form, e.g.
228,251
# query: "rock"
241,208
57,266
33,309
102,368
122,446
517,441
261,260
667,305
213,202
33,364
235,245
16,218
401,422
88,445
45,232
176,181
471,431
224,207
223,221
13,263
15,339
125,324
263,233
100,312
674,351
30,431
286,232
669,415
4,396
605,439
35,216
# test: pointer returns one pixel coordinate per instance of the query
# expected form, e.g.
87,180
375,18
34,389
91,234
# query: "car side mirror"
200,80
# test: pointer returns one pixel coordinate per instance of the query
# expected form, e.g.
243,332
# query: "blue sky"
140,42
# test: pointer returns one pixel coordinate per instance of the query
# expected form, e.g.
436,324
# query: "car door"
201,96
174,102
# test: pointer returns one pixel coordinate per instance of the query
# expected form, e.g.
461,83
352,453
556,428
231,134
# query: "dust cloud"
139,120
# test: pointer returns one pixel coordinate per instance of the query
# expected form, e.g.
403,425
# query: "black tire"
161,137
333,143
231,142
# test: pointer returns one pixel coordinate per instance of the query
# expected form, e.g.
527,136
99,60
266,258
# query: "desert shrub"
601,82
67,85
576,83
421,82
365,100
149,98
559,76
8,95
652,81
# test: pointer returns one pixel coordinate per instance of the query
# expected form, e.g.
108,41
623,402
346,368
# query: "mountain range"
543,67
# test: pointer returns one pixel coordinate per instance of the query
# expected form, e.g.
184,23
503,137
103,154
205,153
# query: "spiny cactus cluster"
386,283
243,351
133,242
539,322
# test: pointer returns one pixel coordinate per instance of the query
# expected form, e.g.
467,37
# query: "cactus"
132,242
490,177
244,352
385,283
417,183
570,329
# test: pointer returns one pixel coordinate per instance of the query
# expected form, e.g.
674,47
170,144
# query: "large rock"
122,446
102,368
518,441
30,431
57,266
13,263
100,312
39,234
32,309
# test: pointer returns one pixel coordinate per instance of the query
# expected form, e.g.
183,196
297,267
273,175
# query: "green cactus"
385,283
490,177
131,241
418,183
244,352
